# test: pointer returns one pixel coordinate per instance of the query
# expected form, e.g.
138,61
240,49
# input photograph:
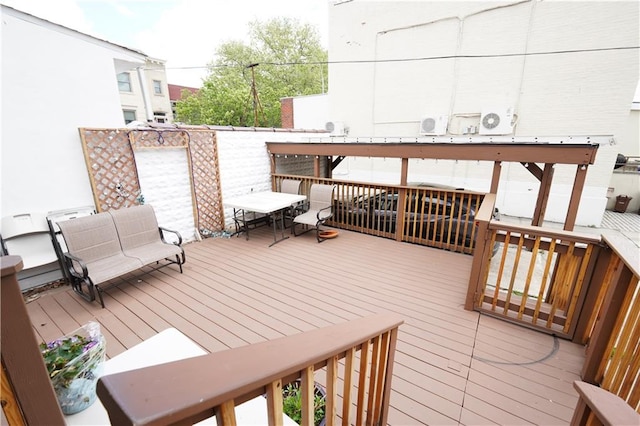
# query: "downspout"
145,94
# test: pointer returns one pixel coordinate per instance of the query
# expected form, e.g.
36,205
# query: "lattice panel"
203,153
153,138
112,168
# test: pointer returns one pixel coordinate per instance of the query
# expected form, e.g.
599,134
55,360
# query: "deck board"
452,366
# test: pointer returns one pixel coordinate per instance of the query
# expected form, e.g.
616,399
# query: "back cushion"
320,196
91,237
136,226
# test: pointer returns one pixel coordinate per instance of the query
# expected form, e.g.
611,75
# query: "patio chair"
320,210
27,235
291,186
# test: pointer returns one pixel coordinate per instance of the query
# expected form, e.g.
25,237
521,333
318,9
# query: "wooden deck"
452,366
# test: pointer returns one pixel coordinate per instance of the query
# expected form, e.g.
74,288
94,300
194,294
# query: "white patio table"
266,202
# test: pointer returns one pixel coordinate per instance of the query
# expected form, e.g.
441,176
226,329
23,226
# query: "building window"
160,117
124,82
129,116
157,87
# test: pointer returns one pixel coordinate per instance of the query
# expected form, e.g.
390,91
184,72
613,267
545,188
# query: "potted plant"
292,402
74,364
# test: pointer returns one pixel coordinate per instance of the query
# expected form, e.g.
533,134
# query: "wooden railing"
597,406
354,360
580,287
613,351
422,215
537,277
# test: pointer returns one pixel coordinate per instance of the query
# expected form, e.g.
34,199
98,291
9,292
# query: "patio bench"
107,245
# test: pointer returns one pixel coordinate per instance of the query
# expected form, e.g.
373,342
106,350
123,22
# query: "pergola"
538,158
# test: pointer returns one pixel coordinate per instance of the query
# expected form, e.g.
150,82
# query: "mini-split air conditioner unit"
336,128
435,125
496,121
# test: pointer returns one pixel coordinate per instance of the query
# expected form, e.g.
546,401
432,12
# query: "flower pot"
80,393
75,362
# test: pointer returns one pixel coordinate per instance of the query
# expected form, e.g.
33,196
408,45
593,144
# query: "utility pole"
253,96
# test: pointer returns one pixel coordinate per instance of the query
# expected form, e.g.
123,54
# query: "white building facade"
551,70
144,93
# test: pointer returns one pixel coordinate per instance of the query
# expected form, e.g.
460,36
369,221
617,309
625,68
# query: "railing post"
479,263
481,251
401,213
25,369
495,178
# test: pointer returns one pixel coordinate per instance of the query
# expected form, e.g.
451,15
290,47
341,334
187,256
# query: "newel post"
481,250
22,363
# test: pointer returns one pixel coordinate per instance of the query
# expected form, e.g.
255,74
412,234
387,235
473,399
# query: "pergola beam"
514,152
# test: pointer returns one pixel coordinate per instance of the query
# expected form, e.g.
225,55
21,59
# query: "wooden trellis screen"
114,175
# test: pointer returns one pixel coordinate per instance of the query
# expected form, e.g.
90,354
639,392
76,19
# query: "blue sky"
185,33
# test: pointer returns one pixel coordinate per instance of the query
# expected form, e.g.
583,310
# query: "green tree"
290,62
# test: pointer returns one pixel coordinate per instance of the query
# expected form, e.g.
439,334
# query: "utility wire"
426,58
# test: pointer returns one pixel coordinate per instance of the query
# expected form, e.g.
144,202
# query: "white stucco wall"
165,183
245,163
54,81
579,94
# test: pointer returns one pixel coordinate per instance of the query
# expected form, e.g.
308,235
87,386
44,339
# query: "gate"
537,277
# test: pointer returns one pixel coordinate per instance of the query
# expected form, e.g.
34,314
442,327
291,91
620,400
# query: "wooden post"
402,200
574,203
543,195
495,179
482,251
21,356
274,187
316,166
